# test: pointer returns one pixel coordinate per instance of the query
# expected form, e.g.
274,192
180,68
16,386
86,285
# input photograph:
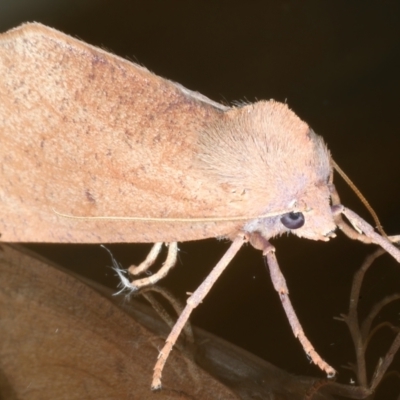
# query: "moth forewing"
100,136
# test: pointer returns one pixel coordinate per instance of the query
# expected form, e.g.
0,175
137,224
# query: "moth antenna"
151,219
361,197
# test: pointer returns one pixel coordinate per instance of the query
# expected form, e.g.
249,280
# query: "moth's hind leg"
149,261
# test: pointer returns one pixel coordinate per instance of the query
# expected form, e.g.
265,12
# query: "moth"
96,149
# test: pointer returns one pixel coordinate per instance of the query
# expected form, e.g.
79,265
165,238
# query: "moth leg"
178,306
148,292
192,302
348,230
148,262
368,231
353,232
280,286
360,230
163,271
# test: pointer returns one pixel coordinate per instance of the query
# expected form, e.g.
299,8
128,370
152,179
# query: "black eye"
293,220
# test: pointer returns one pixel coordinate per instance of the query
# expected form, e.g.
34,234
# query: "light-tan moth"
96,149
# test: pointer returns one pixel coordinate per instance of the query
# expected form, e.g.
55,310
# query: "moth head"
303,189
310,216
267,152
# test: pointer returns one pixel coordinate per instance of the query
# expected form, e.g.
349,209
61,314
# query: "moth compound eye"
293,220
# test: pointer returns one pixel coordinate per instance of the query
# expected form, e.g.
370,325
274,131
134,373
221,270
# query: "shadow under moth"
96,149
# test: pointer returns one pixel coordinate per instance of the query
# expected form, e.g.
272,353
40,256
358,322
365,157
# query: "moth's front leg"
279,282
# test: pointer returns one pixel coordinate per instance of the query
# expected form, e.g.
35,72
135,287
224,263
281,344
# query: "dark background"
337,64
